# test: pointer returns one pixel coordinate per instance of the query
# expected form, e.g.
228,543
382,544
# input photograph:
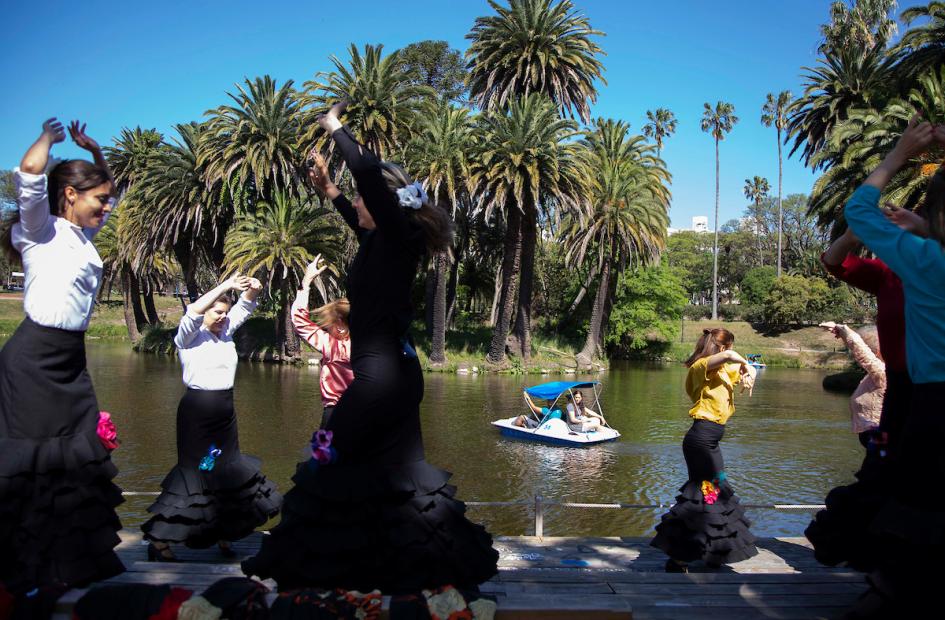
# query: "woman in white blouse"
57,501
214,494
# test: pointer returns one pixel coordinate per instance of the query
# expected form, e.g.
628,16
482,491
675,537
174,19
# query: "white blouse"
62,268
210,361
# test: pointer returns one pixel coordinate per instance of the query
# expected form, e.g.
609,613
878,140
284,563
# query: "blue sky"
154,64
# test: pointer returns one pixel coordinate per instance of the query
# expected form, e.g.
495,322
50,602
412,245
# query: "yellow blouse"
712,391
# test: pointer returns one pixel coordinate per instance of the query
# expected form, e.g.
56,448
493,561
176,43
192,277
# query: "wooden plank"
626,576
708,599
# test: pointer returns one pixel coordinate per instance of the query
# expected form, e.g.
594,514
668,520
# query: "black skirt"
381,517
57,502
713,527
200,506
842,531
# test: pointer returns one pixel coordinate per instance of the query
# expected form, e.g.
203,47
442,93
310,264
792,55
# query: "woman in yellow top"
707,523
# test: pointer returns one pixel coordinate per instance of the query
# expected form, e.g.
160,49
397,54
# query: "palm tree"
440,155
131,153
922,47
774,112
523,162
629,201
252,146
184,214
717,122
756,190
534,46
384,99
844,79
275,243
660,125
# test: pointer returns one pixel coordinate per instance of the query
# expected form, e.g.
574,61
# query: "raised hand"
82,140
314,270
331,120
318,171
53,131
916,139
907,220
831,327
255,285
237,282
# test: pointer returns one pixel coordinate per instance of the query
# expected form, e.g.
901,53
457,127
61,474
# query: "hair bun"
706,332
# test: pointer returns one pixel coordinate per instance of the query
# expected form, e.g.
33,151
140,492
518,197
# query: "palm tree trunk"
126,295
511,261
188,266
581,293
523,318
496,294
289,345
149,307
595,333
438,344
429,295
715,246
137,309
779,203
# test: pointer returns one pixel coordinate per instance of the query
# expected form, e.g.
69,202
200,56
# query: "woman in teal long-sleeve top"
911,524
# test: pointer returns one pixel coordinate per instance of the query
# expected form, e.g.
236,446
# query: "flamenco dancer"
707,523
910,525
329,336
215,494
377,515
57,502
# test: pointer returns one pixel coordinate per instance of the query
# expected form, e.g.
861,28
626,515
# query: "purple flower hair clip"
322,451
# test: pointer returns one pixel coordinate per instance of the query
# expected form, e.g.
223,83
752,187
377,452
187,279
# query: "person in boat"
580,418
367,511
58,525
214,494
328,335
707,522
530,421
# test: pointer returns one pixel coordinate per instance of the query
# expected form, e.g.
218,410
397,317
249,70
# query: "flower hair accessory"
207,462
412,196
106,431
322,451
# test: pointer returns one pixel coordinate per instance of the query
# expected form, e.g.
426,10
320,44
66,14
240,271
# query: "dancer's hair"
76,173
333,312
711,342
933,208
435,222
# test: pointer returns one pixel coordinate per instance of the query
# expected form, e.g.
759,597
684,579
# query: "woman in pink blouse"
329,336
866,404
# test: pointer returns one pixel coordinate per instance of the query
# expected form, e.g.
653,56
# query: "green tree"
275,242
534,46
717,122
797,300
131,153
922,47
660,125
7,189
689,253
436,65
522,162
440,155
756,287
649,304
384,94
756,190
774,112
252,146
627,219
863,24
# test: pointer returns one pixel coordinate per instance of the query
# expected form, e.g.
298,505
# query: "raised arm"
321,179
366,169
861,352
528,400
244,306
32,198
193,318
839,249
305,327
83,141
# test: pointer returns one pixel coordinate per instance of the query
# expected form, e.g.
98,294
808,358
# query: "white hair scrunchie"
412,196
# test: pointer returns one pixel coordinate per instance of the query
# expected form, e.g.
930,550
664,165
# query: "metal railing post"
539,517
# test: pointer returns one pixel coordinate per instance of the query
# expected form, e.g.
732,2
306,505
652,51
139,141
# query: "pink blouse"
866,404
336,373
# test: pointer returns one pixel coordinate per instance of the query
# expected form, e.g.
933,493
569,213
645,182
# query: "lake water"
789,443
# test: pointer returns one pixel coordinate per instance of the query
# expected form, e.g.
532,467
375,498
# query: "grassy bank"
808,347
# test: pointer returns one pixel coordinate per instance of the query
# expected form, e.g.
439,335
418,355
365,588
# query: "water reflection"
790,443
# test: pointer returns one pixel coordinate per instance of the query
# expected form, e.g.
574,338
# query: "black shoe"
672,566
225,549
164,554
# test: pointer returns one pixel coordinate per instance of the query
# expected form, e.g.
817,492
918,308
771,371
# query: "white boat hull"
555,432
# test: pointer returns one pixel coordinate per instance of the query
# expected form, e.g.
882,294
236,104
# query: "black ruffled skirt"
706,522
202,504
842,532
57,502
396,528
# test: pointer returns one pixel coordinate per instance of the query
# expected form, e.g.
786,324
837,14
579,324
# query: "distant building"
700,223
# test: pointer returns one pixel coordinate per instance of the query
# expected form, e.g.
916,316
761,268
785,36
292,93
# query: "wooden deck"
586,578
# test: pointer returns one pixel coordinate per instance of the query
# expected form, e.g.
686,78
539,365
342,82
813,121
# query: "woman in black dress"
379,516
215,494
57,502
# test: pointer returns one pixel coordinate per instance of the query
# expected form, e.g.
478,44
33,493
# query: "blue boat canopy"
554,389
